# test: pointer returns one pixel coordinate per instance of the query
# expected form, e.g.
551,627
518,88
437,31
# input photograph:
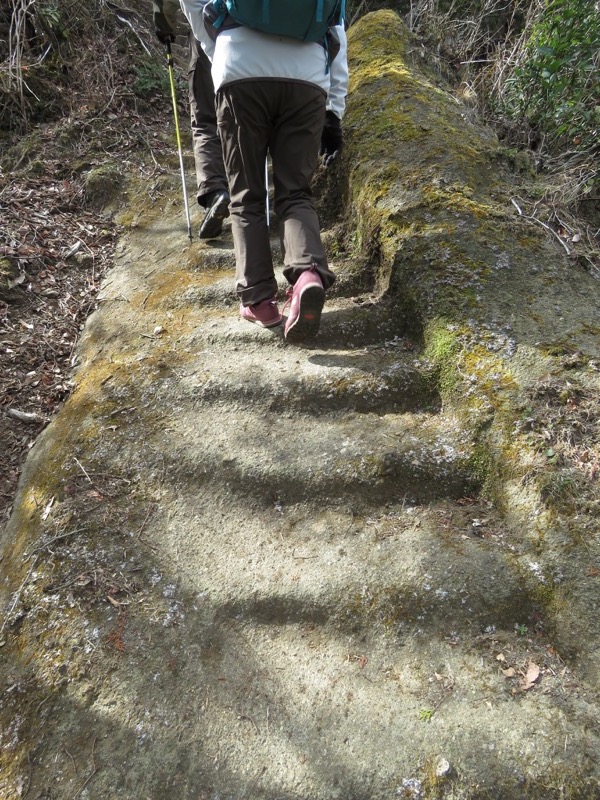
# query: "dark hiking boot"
218,210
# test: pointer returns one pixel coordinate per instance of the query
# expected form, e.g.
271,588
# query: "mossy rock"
490,293
103,186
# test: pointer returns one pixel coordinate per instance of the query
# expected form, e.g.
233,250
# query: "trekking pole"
267,188
176,116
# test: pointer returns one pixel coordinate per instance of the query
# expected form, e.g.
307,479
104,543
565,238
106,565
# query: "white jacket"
242,53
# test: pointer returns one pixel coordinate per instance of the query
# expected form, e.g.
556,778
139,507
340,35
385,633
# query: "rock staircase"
309,599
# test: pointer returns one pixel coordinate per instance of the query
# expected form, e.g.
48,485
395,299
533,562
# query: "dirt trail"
243,569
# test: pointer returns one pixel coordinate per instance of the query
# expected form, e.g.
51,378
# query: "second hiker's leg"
244,120
208,155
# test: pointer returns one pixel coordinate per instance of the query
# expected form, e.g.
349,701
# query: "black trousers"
208,155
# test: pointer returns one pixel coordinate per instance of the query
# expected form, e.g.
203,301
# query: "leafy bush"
555,85
151,79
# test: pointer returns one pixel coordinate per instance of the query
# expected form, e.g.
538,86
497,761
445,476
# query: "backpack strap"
215,16
218,12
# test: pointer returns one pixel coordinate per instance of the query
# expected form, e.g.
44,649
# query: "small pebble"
442,768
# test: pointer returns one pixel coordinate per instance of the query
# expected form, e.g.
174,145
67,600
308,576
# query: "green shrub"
151,79
555,86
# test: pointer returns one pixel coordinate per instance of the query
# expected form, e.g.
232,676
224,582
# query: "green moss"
458,198
434,785
26,151
558,349
417,158
166,289
442,347
103,185
484,470
82,425
549,596
476,384
393,105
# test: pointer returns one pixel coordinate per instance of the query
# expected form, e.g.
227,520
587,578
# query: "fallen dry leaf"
593,572
509,673
530,678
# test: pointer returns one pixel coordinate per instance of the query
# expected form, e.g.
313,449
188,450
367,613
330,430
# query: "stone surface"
242,569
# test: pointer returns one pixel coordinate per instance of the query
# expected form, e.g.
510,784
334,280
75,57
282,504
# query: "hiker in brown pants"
212,194
285,97
284,118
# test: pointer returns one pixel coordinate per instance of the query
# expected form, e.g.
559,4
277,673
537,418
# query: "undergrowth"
58,57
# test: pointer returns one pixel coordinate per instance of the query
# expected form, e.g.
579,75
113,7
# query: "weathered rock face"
362,569
511,323
430,195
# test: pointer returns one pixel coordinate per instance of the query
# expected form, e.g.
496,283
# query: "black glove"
332,139
164,32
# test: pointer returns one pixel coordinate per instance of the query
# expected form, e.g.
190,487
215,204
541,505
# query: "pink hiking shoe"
307,297
266,314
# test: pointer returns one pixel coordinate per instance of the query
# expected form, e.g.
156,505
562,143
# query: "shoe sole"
212,225
263,324
306,325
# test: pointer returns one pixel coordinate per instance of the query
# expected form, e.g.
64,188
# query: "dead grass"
562,421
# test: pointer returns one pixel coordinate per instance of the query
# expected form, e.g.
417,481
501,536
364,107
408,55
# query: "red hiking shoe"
266,314
307,297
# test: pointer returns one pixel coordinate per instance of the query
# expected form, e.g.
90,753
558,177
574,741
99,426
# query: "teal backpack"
307,20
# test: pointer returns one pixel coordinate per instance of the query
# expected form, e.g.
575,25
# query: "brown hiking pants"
208,155
285,119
